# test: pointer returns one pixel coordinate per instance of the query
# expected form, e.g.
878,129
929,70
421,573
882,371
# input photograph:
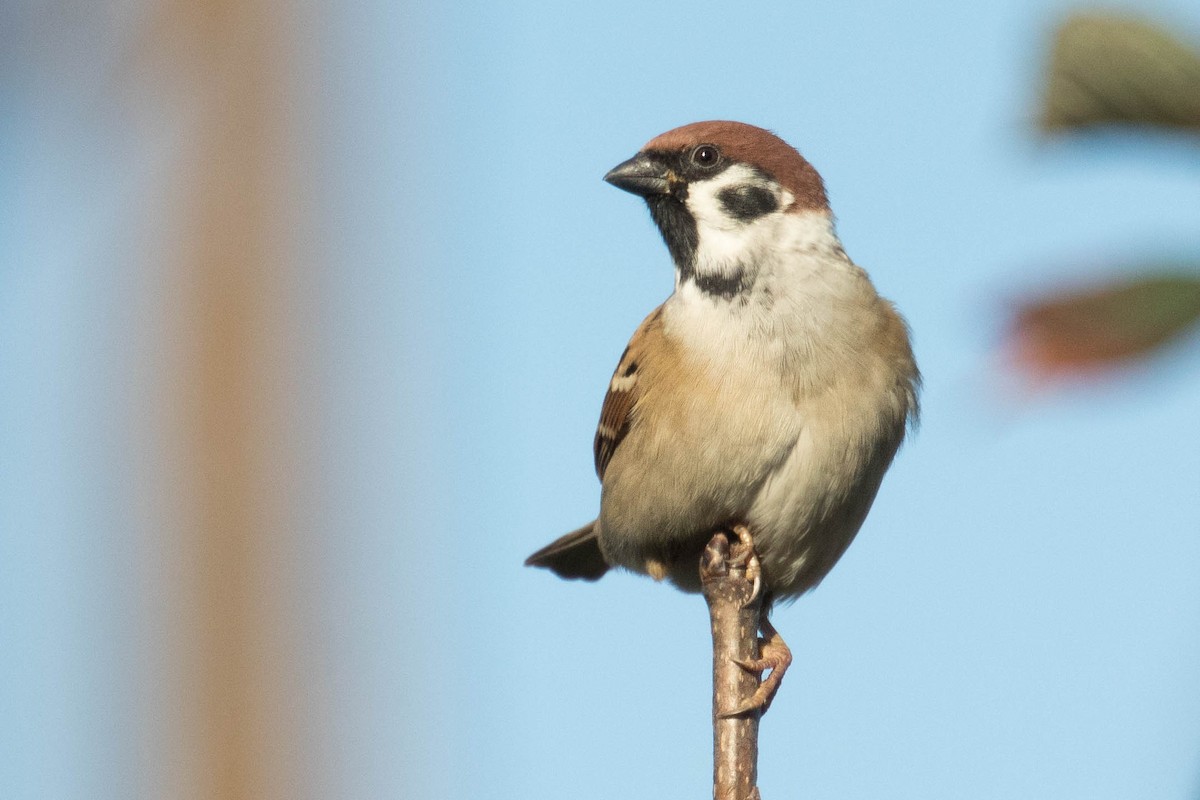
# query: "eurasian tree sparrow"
771,389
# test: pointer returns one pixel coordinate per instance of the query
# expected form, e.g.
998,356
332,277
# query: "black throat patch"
678,229
682,237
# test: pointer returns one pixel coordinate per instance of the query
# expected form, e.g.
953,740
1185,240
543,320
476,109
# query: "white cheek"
725,242
703,197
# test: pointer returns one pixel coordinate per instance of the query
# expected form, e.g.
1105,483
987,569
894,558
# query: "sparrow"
767,395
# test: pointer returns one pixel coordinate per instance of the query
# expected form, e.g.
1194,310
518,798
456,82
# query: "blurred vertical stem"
734,612
234,734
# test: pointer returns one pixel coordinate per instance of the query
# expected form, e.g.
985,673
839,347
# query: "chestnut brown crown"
756,147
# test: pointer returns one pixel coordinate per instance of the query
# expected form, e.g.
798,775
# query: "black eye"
706,156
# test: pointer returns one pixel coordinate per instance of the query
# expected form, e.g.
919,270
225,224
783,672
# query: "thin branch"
727,576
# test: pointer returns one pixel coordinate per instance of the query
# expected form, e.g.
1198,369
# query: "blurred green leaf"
1107,69
1103,326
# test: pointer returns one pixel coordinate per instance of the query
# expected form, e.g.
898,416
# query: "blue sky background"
1020,616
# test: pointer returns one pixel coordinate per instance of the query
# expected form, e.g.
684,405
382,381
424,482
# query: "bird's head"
722,194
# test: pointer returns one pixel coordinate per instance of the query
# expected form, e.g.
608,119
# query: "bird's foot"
773,655
743,554
722,557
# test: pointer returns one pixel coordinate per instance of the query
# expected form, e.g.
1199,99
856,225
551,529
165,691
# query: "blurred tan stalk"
224,387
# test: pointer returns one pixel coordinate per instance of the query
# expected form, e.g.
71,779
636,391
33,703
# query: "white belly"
809,510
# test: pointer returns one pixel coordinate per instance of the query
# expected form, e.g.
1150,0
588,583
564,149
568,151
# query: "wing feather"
624,391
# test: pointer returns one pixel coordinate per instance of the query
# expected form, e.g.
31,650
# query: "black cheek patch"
747,203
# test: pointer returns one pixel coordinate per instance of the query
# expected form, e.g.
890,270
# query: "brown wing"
622,396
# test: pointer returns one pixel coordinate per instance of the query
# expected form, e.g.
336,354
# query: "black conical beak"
641,175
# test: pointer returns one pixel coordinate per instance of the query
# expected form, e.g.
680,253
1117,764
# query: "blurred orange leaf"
1107,69
1101,327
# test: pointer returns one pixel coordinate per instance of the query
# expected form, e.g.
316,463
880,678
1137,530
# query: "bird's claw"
774,655
755,568
744,555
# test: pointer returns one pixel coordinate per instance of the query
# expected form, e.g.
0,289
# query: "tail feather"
576,555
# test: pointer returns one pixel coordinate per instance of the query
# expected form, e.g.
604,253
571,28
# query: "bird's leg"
773,655
773,652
